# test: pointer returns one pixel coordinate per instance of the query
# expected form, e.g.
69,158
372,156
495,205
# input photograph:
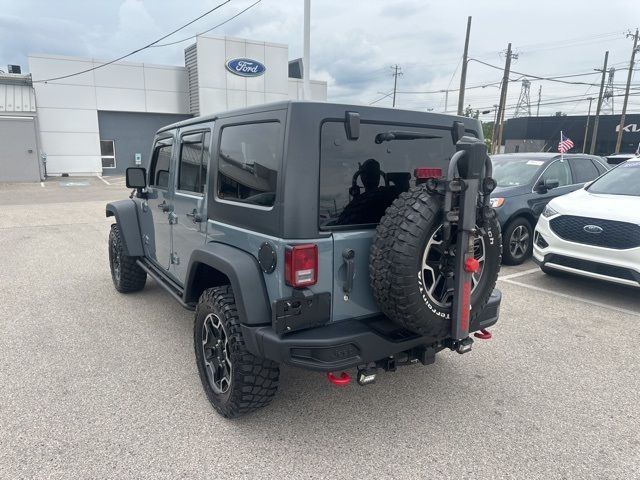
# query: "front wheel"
126,274
518,242
235,381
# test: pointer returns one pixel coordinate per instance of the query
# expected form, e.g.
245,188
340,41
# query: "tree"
487,133
561,114
470,112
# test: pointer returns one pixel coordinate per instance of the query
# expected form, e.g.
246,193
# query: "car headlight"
496,202
549,212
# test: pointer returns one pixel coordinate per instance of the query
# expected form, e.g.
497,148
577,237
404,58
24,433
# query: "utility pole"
446,101
626,92
586,128
396,71
539,98
497,140
594,137
463,74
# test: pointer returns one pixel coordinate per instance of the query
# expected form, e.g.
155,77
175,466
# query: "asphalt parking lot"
95,384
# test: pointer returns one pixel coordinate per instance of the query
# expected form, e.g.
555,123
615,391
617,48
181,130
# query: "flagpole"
561,149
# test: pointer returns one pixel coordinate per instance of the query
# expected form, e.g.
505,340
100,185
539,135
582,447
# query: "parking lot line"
100,177
519,274
570,297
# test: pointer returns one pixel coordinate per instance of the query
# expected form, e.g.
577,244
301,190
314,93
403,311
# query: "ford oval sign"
592,229
245,67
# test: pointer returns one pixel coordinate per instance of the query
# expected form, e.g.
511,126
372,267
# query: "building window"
108,153
249,160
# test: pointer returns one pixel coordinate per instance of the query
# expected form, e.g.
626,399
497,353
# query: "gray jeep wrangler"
323,236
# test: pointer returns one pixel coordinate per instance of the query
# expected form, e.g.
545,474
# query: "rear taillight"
301,265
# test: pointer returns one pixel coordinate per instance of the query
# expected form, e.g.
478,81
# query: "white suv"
594,231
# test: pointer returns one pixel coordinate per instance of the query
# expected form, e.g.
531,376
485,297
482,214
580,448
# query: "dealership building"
103,121
541,134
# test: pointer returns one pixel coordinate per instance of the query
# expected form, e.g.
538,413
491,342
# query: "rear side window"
194,159
360,178
583,170
160,164
249,160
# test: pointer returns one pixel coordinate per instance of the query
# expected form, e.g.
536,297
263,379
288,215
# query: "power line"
208,30
137,50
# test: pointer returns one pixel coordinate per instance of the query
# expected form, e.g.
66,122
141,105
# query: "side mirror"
136,177
550,183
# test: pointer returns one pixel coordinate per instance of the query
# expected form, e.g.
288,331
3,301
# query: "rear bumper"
347,343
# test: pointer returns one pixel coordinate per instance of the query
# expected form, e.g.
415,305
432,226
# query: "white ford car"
594,231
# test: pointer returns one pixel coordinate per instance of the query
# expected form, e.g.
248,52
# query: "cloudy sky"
355,43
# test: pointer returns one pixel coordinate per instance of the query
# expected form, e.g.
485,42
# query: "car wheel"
126,274
235,381
517,242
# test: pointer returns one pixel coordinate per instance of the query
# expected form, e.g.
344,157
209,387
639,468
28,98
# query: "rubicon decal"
245,67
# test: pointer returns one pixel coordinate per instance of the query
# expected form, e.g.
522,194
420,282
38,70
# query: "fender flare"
126,217
244,274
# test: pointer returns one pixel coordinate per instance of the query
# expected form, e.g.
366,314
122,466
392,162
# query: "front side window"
193,163
360,178
108,153
558,170
160,165
249,160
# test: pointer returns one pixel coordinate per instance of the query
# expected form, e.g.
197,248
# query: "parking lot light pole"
306,52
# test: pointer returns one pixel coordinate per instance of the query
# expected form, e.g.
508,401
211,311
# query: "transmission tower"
607,97
523,108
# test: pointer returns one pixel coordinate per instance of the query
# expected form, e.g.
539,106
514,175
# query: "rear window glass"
249,160
360,178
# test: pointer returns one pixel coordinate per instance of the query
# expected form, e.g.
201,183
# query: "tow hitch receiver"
367,375
460,346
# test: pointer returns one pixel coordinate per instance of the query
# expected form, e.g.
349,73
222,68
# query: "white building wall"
68,108
220,90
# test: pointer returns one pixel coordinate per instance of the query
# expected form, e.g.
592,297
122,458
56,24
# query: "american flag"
565,144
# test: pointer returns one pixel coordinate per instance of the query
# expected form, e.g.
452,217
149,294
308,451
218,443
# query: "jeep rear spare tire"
412,273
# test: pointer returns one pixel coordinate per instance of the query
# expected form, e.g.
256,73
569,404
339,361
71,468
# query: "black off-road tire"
253,380
127,276
509,257
396,258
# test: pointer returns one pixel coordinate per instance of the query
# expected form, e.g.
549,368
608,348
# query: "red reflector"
466,303
428,172
301,265
471,265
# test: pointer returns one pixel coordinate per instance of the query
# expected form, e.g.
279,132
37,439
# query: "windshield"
622,180
511,171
